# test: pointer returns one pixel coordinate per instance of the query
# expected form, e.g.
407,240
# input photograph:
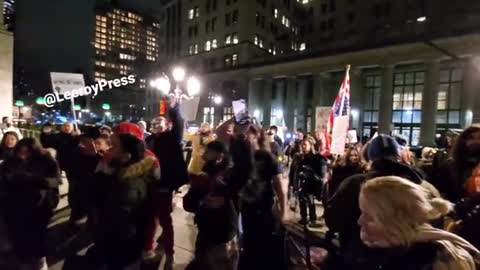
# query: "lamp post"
164,85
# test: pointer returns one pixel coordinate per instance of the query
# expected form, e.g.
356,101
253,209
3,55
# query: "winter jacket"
317,163
431,249
341,173
168,149
199,142
342,211
28,186
123,210
5,153
215,226
64,144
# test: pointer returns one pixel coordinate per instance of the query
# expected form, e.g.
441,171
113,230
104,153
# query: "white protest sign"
239,109
322,114
66,82
352,136
189,108
339,134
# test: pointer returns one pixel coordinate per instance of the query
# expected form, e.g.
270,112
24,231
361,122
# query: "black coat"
64,144
420,256
29,196
167,147
342,211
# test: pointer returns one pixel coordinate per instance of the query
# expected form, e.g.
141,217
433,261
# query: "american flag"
341,107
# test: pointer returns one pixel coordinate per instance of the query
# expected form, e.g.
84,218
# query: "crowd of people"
384,207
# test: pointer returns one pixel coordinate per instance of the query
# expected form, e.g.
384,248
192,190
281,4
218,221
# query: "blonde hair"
404,210
401,206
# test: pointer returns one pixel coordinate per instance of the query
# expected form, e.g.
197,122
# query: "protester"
84,159
199,141
143,127
123,215
426,162
106,130
394,221
211,198
275,147
29,183
165,143
102,144
47,135
307,175
261,245
64,143
7,145
346,166
384,154
274,131
7,125
459,181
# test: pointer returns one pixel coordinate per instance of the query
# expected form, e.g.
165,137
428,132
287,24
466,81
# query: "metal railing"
28,133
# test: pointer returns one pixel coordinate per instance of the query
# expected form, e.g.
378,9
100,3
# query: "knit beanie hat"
128,128
383,146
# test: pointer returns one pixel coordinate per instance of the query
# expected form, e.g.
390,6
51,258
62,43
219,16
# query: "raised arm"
178,123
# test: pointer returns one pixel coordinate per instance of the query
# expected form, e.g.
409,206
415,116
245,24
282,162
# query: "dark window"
331,24
310,12
351,17
324,8
228,19
208,6
207,26
190,30
263,21
351,2
332,6
235,16
214,24
228,2
214,4
323,26
196,30
258,18
377,11
388,8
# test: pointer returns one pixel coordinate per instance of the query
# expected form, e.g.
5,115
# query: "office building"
413,61
125,43
6,68
8,12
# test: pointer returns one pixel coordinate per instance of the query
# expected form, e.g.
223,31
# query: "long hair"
33,147
345,160
402,207
310,140
9,133
460,147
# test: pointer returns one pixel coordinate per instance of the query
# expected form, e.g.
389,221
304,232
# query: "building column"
319,94
429,103
6,70
290,103
255,97
300,103
267,101
357,100
471,99
386,100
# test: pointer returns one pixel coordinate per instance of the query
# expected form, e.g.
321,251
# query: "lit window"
303,46
234,59
190,49
275,13
195,49
255,39
228,39
260,43
197,12
235,38
208,45
191,13
214,44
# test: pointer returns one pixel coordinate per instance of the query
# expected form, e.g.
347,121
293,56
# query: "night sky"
55,35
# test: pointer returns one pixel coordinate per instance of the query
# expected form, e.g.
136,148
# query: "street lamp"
163,84
217,100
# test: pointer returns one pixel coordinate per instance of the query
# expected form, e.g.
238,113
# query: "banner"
189,108
321,118
339,119
66,82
